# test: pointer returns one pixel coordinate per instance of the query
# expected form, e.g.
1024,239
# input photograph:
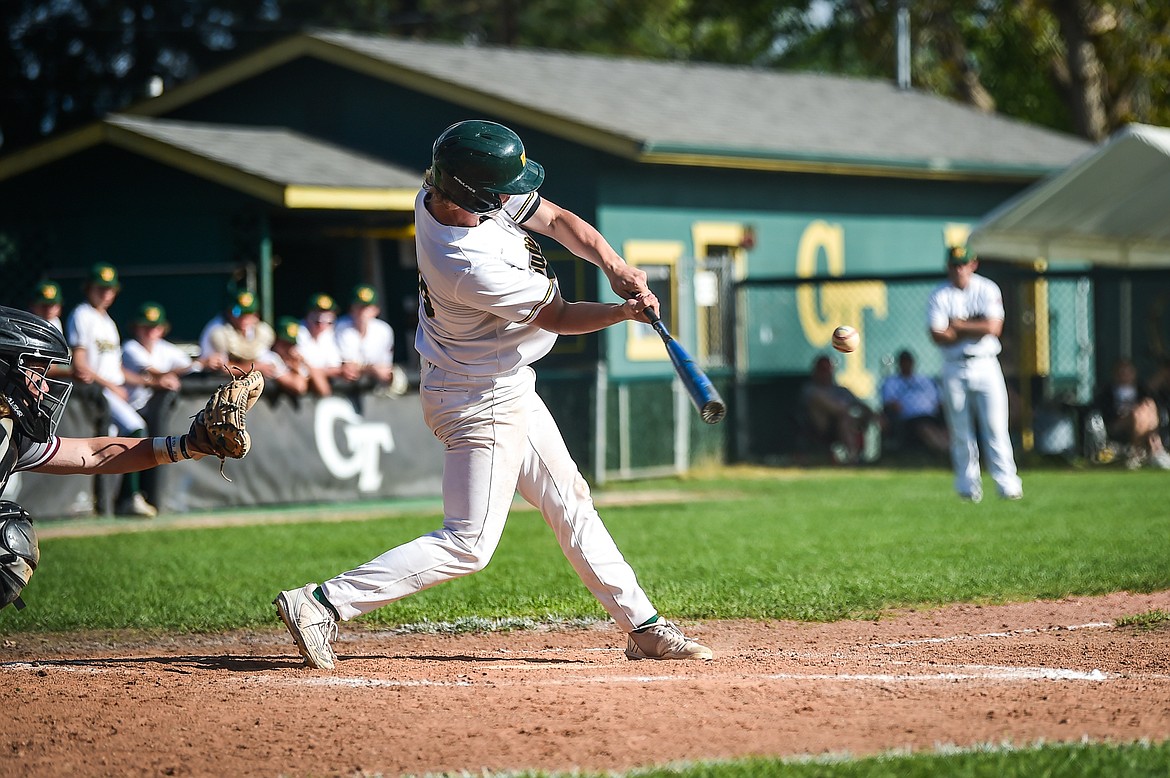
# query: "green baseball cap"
47,293
287,328
103,274
245,302
958,255
152,315
321,302
364,294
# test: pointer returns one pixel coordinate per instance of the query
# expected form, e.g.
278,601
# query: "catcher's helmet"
29,345
19,552
476,161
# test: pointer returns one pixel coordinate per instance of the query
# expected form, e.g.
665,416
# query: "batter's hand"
635,306
628,282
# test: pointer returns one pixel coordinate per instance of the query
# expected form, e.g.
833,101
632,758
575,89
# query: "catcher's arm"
218,430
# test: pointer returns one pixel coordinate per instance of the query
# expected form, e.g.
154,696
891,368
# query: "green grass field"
803,545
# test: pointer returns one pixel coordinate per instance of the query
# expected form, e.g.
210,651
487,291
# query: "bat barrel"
703,394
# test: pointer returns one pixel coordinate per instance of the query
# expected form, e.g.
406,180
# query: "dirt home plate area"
243,704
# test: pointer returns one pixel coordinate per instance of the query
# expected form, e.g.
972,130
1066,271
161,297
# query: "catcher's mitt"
220,429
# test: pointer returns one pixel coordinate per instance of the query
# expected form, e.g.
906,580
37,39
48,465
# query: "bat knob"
713,412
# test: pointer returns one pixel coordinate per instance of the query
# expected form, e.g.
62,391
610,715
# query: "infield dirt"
243,704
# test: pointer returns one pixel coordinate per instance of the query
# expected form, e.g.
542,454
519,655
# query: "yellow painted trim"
643,343
704,235
380,233
955,234
51,150
338,198
825,168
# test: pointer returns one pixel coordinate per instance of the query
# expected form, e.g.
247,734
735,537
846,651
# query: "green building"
767,207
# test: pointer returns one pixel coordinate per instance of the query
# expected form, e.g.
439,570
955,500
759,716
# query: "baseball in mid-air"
845,339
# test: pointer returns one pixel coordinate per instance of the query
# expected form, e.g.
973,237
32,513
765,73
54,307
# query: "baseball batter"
965,317
489,307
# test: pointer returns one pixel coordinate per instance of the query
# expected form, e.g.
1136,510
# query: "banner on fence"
335,449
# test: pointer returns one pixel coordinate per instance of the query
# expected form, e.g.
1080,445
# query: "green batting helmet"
476,161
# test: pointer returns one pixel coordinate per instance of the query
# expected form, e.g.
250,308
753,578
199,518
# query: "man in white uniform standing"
489,308
97,360
965,317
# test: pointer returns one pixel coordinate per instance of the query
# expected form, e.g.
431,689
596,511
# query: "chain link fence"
1062,333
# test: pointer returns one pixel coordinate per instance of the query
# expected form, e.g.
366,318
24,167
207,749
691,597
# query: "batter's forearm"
581,318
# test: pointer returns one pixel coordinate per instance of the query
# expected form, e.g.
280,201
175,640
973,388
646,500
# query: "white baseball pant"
124,419
499,438
977,386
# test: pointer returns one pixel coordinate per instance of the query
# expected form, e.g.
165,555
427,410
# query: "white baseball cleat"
311,624
136,506
664,640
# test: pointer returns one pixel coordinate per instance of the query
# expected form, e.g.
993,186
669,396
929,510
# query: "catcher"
31,405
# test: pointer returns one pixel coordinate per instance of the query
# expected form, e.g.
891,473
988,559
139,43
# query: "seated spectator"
1132,418
241,339
97,362
159,363
1158,386
292,375
366,343
317,340
835,414
912,407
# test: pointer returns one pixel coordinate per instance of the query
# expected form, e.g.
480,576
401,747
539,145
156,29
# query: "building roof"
272,163
687,113
1112,207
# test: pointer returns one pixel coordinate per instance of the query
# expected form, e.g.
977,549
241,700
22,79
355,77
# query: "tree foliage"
1080,65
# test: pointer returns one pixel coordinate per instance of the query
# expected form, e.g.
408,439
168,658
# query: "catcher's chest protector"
9,451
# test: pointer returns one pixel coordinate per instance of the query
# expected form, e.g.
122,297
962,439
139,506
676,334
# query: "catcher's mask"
19,552
29,346
476,161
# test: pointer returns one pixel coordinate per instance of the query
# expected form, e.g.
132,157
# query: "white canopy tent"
1110,208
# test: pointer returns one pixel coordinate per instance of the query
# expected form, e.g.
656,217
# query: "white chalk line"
956,673
960,673
983,635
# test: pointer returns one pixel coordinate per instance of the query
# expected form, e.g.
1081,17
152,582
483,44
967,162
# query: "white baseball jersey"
477,298
376,347
320,351
981,298
165,357
205,347
96,332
